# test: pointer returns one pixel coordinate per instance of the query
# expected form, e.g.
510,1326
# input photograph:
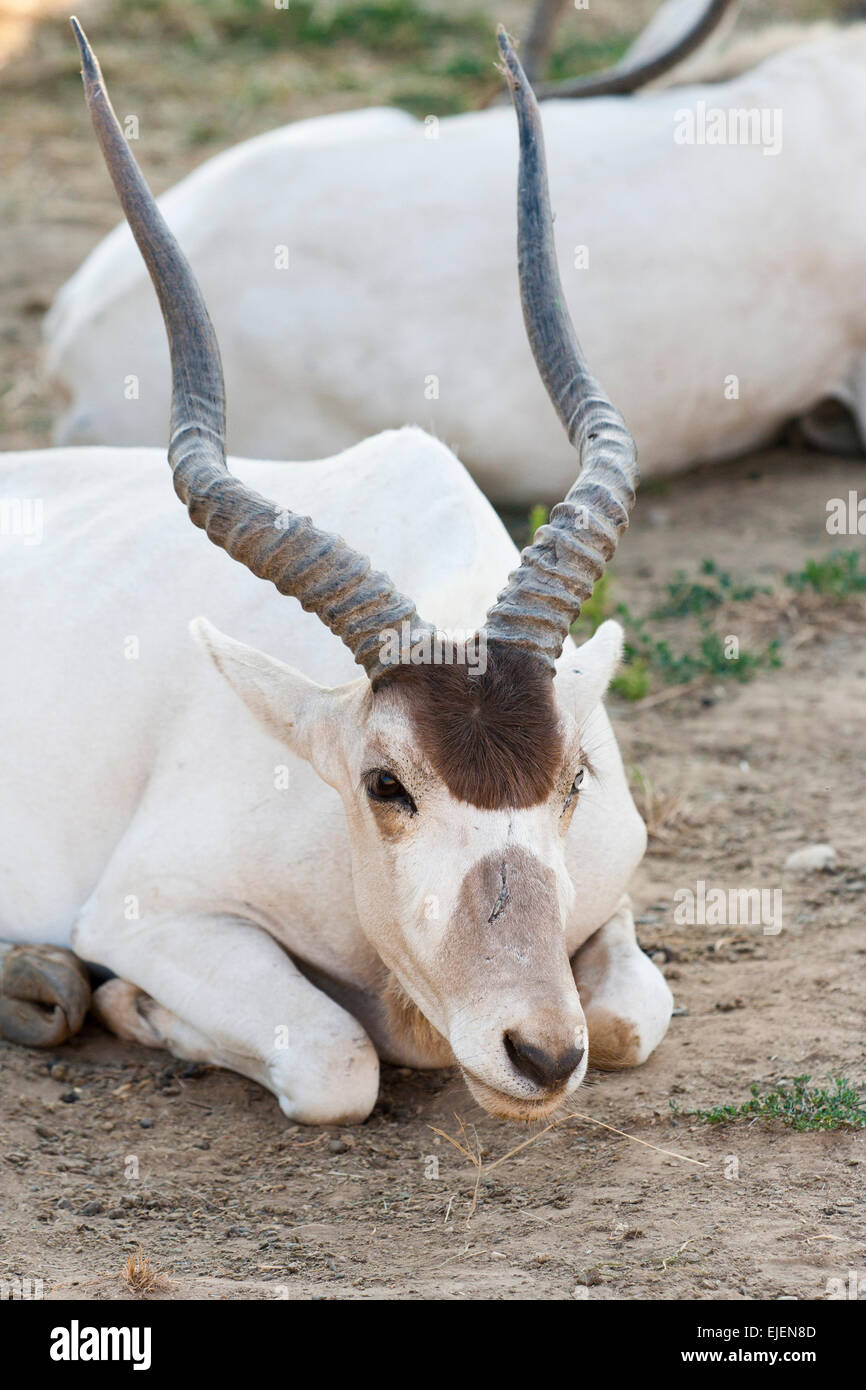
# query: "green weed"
836,576
797,1104
686,597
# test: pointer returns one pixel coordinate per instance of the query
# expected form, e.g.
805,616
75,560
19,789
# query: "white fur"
204,832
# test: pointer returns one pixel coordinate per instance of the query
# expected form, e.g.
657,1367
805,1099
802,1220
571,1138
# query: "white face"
468,908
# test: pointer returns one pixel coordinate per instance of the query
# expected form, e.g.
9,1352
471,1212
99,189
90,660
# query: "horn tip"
506,47
518,83
89,65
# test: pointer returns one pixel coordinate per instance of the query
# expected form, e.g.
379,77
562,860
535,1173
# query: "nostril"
544,1068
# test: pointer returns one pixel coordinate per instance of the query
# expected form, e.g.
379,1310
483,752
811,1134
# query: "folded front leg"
625,997
221,990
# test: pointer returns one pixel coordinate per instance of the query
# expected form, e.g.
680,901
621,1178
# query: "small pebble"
69,1097
812,859
336,1146
146,1124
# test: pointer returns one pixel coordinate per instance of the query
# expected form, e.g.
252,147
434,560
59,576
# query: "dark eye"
575,788
384,786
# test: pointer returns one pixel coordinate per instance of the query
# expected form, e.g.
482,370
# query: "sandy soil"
105,1146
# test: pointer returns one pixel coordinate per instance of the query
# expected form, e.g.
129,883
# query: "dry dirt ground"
105,1146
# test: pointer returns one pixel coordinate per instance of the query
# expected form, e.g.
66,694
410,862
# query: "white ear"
283,701
584,673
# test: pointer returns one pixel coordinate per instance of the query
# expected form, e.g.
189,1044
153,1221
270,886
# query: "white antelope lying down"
291,874
716,291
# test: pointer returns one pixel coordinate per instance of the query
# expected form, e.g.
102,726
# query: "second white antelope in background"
290,870
360,276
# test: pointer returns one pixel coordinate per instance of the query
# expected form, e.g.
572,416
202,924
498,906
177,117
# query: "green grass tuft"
650,658
686,597
797,1104
633,681
837,576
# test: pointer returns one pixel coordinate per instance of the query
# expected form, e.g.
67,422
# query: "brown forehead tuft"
494,739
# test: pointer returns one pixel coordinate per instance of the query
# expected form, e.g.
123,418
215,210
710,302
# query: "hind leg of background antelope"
625,997
44,994
220,990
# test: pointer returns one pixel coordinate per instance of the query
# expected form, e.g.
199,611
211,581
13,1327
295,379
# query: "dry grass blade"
533,1138
467,1153
139,1274
577,1115
476,1160
671,1153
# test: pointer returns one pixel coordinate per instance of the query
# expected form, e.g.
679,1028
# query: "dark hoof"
44,995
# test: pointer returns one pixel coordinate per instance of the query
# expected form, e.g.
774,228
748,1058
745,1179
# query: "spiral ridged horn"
325,574
558,570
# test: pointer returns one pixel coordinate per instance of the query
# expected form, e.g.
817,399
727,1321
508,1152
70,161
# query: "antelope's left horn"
557,571
320,570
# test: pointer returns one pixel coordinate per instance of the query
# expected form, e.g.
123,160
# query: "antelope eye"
575,788
384,786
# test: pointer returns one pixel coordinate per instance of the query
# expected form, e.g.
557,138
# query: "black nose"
542,1067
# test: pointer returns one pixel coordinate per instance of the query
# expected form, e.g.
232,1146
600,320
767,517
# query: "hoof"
44,995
